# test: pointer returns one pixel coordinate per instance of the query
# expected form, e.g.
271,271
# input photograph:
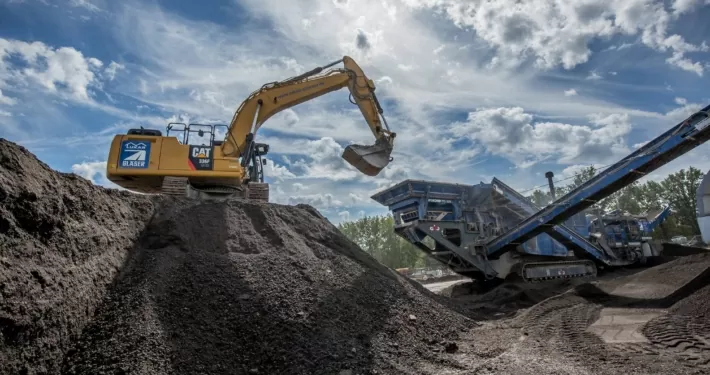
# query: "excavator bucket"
369,160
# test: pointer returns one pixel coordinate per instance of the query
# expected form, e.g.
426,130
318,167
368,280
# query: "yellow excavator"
145,161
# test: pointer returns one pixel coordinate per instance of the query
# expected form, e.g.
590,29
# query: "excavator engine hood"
369,160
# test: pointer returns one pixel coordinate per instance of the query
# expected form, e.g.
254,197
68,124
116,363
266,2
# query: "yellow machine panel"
140,162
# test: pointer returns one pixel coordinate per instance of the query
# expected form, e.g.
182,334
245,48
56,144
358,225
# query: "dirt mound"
62,240
248,287
101,281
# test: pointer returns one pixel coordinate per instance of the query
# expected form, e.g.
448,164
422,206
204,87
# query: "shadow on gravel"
215,323
497,300
182,305
594,294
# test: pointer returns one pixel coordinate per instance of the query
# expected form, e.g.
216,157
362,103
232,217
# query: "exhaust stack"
549,176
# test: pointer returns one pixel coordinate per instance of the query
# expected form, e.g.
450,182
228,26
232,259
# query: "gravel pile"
99,281
62,241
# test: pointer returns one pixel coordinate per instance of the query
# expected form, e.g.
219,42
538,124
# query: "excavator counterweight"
143,160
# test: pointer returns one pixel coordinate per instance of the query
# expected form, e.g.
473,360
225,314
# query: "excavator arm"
145,161
277,96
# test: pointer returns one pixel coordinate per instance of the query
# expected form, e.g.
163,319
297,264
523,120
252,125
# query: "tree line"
677,190
376,236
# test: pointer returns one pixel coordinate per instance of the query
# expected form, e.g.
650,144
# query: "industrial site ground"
101,281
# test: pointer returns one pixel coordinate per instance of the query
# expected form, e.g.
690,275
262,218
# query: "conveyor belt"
680,139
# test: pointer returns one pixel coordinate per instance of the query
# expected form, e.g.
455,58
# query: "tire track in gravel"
561,331
678,344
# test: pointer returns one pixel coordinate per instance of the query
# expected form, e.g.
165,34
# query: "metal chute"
369,160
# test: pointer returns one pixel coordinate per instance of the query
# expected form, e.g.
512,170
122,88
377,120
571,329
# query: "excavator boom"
278,96
143,160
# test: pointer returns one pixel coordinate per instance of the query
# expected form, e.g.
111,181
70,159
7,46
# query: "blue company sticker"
134,154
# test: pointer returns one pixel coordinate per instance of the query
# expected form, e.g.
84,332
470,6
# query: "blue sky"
473,89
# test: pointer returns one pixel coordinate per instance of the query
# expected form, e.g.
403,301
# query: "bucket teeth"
369,160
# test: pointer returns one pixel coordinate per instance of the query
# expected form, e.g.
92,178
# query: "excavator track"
258,191
174,186
534,272
178,187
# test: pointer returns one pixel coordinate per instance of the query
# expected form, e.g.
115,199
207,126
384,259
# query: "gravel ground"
97,281
554,335
202,288
254,288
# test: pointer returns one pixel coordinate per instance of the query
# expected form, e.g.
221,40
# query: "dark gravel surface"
256,288
553,335
62,241
99,281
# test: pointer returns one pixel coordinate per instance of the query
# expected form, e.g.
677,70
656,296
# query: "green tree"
376,236
678,190
540,198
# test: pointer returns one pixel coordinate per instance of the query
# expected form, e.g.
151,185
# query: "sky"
474,89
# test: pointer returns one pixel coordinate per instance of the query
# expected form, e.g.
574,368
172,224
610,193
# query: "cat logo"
201,152
200,158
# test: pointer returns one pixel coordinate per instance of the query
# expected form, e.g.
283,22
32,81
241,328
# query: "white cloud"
594,76
681,113
558,32
326,162
425,78
685,63
7,100
454,78
572,169
90,170
344,215
276,171
684,6
510,132
86,4
320,201
112,69
57,70
95,172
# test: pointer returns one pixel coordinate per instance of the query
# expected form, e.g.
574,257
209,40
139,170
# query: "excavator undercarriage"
180,186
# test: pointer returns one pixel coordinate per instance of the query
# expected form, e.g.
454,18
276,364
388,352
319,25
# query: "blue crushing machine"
490,232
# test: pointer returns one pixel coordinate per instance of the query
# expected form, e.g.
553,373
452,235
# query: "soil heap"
62,241
101,281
